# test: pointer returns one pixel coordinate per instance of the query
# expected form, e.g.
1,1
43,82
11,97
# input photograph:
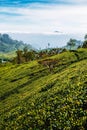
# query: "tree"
30,55
85,37
19,56
85,42
71,43
25,50
0,60
48,45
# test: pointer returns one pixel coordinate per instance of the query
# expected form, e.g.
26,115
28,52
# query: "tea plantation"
34,98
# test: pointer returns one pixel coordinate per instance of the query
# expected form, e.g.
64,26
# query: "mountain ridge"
7,44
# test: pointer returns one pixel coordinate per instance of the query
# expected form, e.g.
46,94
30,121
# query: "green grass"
32,98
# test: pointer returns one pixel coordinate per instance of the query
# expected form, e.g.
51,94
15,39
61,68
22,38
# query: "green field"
33,98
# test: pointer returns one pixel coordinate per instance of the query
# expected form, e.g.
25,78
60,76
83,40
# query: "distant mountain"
7,44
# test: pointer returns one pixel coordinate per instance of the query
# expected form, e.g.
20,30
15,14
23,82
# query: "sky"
40,41
43,16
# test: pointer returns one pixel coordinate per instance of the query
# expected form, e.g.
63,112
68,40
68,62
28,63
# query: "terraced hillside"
35,98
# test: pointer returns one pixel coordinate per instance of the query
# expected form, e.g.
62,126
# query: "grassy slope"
8,55
35,99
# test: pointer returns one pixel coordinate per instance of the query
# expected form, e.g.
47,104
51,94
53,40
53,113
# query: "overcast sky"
43,16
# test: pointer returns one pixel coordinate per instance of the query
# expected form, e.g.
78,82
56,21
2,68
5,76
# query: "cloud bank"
43,16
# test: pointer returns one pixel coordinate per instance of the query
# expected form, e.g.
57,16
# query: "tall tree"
30,55
19,56
85,42
85,37
48,45
25,53
71,43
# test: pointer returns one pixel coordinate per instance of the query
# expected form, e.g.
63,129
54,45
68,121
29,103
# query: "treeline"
72,42
26,56
29,55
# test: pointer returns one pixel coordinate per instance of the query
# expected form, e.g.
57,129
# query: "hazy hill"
33,98
7,44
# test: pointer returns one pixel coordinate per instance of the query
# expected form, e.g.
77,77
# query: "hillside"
7,44
33,98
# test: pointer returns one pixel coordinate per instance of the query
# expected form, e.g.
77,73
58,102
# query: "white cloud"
69,19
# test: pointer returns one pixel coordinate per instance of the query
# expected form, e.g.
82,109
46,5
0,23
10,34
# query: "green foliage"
32,98
85,44
24,56
85,37
71,43
48,86
19,56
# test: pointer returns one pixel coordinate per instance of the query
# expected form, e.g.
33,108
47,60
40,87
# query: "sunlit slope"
33,98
